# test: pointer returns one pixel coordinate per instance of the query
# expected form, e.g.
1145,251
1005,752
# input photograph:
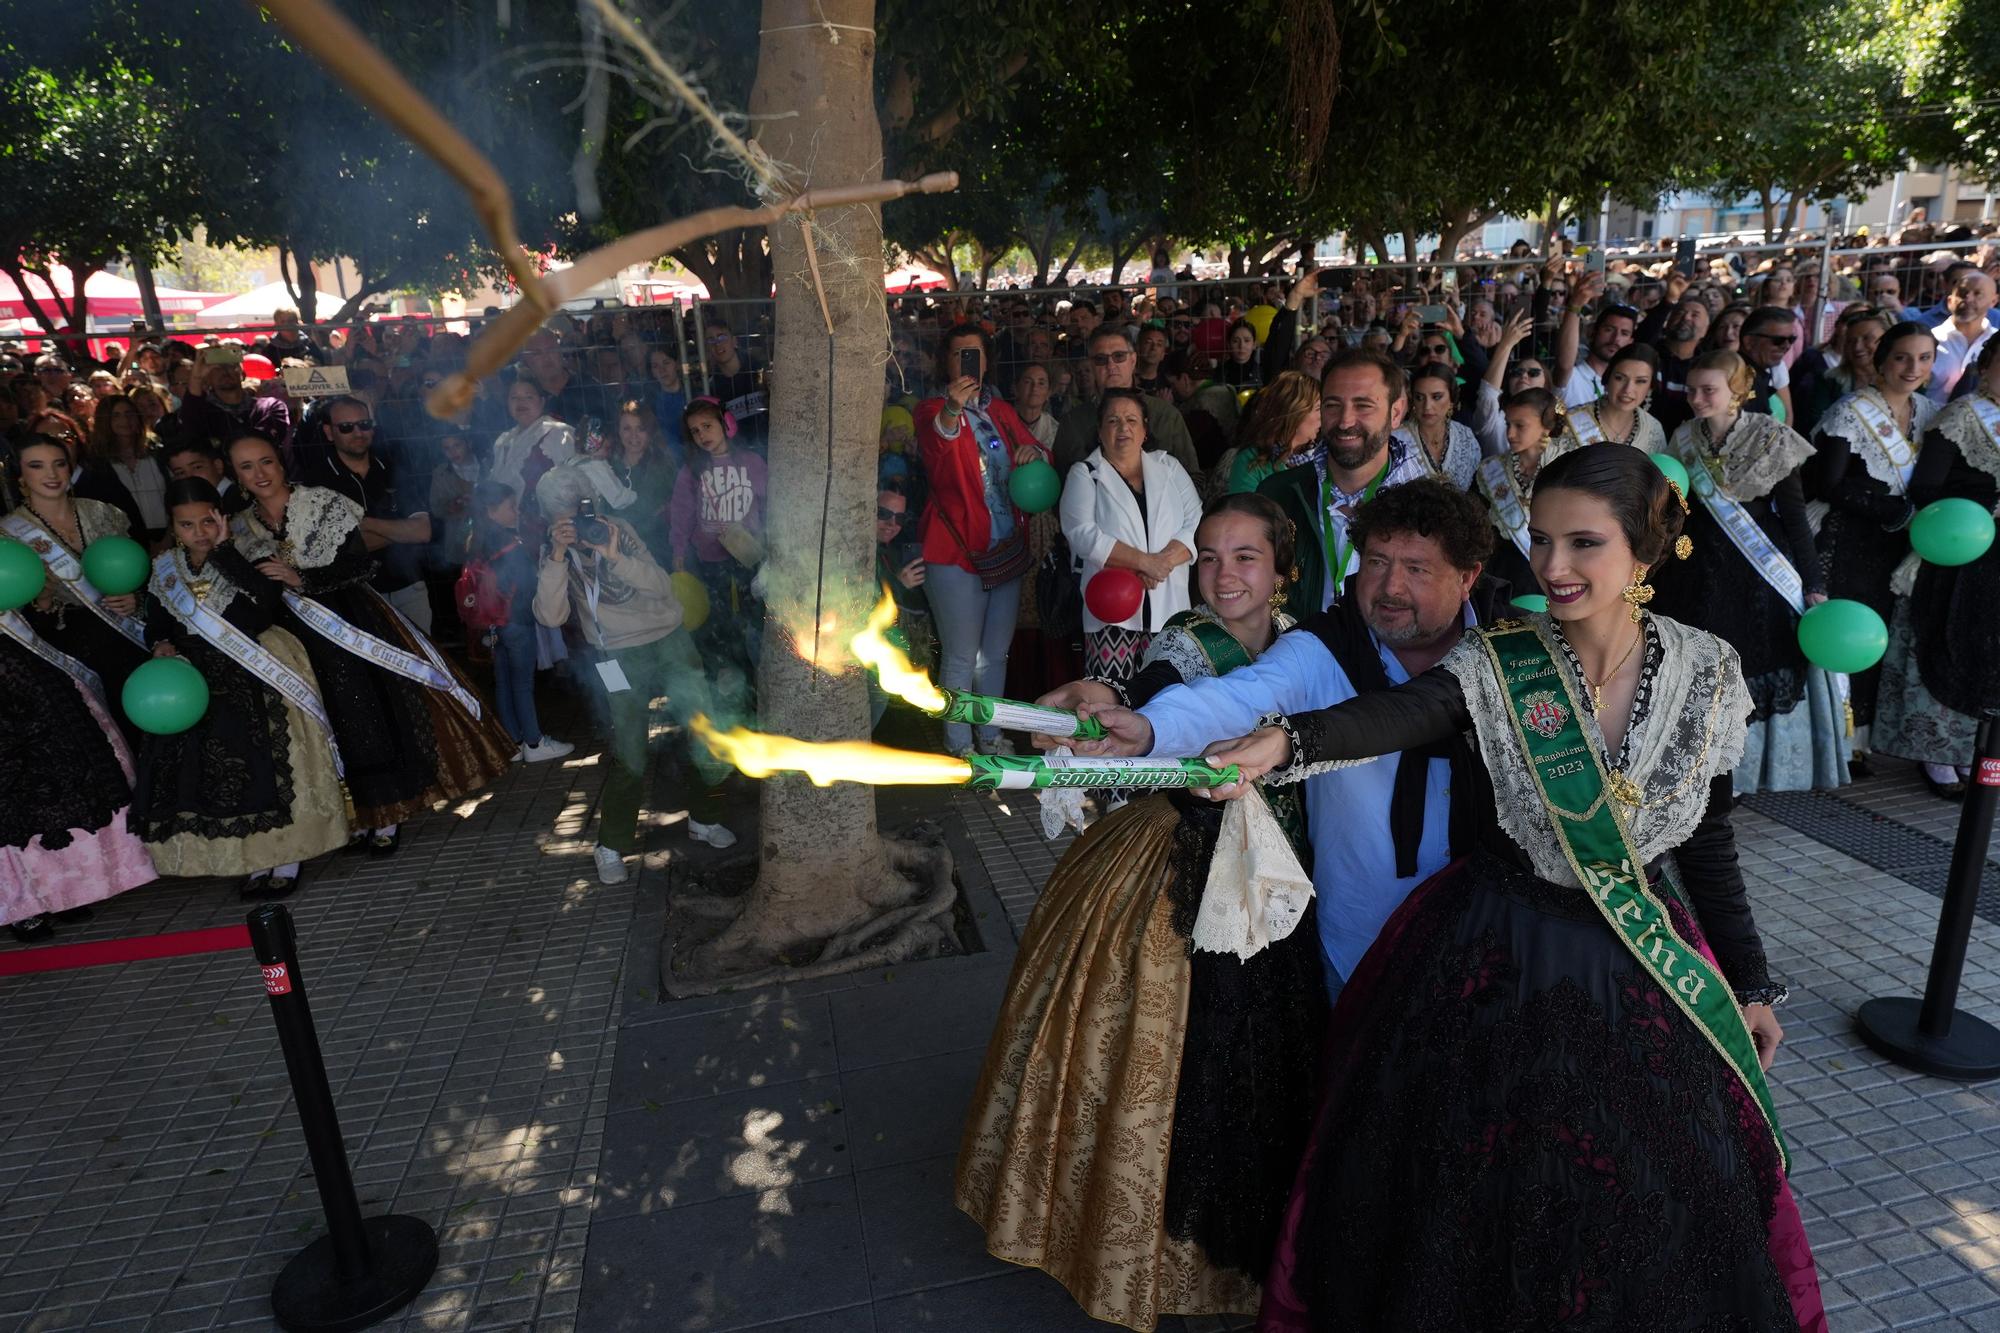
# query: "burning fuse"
1006,773
983,710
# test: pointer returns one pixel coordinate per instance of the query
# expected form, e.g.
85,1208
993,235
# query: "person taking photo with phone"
217,405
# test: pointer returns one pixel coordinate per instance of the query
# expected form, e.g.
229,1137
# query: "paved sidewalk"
778,1158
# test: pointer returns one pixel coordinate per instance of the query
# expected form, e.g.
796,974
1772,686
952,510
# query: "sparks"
892,666
824,763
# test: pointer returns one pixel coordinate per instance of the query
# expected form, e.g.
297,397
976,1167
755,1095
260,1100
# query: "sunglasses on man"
1110,358
349,427
1781,339
895,516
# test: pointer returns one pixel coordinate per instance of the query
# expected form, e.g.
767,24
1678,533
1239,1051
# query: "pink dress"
65,793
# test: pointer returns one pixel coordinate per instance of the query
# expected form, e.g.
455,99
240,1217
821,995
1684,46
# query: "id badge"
613,675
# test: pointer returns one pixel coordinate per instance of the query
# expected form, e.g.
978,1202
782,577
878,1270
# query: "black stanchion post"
1931,1035
362,1270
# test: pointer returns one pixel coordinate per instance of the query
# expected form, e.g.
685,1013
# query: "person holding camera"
217,405
598,569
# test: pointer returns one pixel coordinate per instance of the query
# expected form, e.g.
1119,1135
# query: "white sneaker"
550,748
519,750
610,865
715,835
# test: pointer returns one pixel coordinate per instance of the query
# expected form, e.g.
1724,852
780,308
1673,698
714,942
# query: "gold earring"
1277,595
1638,592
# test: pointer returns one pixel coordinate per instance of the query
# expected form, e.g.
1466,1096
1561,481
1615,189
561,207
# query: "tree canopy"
1077,126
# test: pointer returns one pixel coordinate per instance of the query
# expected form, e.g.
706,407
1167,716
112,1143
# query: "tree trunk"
1238,258
1770,213
823,866
733,265
1062,274
1791,215
149,293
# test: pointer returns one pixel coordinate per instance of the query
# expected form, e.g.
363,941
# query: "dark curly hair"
1648,511
1429,507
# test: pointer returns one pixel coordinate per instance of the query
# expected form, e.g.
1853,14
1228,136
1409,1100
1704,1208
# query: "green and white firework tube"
983,710
1006,773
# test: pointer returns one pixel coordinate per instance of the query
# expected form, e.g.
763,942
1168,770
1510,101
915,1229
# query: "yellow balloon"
1243,397
693,598
1259,317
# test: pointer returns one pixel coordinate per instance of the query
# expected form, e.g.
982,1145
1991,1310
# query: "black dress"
81,632
1520,1131
1953,607
1865,534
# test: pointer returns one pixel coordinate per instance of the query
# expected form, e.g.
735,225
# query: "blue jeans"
514,682
974,627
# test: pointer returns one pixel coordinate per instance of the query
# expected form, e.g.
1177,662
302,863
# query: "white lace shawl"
1959,422
1180,647
94,519
1844,423
222,589
1461,452
317,521
1693,730
1647,437
1758,453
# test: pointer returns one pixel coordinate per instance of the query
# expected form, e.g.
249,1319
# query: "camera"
590,529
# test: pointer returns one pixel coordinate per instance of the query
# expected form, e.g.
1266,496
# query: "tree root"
913,930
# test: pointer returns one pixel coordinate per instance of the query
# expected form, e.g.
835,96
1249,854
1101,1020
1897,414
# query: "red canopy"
110,296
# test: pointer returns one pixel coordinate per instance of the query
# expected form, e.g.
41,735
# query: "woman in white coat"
1127,508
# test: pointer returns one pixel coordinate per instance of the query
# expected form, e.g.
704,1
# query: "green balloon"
1674,470
21,575
116,565
1532,601
1035,487
165,696
1842,636
1951,532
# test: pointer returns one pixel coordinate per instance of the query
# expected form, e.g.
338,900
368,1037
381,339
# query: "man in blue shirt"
1380,828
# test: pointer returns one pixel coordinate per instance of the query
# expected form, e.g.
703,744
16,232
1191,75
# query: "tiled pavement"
773,1159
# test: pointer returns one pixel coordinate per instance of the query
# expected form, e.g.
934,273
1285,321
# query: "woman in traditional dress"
1942,669
1753,574
1547,1104
1446,446
410,730
1866,449
1620,415
65,789
104,633
251,789
1142,1105
1535,421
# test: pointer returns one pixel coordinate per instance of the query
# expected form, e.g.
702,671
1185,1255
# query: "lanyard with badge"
608,670
1337,551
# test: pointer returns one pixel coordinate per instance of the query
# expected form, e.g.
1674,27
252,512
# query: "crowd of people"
1363,515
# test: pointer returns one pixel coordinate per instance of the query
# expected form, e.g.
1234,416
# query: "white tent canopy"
252,307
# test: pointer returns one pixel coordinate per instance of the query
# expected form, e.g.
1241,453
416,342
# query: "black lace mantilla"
58,772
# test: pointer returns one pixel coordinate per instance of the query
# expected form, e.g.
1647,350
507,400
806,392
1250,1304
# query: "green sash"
1542,707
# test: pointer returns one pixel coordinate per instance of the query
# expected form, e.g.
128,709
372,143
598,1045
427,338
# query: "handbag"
1058,595
1001,563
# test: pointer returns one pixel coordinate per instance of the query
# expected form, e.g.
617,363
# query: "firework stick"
1005,773
983,710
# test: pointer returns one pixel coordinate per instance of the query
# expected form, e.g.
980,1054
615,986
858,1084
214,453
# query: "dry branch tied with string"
337,44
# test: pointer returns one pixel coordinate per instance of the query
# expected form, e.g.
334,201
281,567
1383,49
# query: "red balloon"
257,367
1114,595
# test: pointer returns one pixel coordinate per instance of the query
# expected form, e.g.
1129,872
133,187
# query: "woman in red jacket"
975,548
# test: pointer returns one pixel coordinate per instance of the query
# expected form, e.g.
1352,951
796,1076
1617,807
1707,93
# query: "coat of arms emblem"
1544,715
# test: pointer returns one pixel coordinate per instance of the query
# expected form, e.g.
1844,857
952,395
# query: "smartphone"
1433,314
968,363
222,354
1684,256
1593,260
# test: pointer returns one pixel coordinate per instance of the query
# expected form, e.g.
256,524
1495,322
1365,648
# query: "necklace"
76,525
1631,432
1597,686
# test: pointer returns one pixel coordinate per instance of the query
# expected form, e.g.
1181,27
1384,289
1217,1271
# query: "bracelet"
1909,513
1117,687
1299,769
1772,995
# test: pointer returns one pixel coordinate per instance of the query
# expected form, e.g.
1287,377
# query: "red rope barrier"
62,957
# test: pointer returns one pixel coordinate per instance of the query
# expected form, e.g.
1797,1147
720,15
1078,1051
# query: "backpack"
482,603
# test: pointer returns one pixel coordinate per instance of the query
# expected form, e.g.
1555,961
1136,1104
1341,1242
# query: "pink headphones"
728,417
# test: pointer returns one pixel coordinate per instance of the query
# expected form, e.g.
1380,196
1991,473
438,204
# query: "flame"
892,666
759,755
